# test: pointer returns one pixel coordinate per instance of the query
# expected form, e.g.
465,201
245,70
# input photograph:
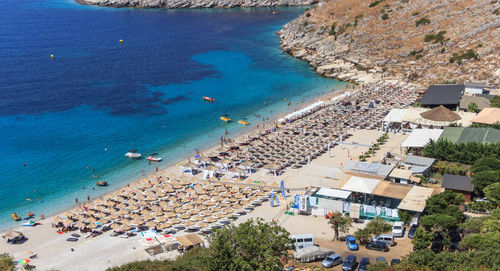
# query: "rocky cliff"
197,3
424,41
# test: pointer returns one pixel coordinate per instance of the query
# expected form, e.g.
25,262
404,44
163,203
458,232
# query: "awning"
360,184
396,115
415,199
333,193
420,137
190,240
401,174
391,190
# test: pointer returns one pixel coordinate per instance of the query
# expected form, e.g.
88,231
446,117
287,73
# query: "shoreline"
245,132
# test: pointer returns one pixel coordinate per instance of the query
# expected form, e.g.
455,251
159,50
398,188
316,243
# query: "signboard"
282,186
273,200
296,201
303,203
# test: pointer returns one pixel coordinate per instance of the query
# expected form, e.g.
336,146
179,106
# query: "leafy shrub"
459,57
308,14
422,21
439,37
332,29
416,13
385,16
6,262
375,3
443,167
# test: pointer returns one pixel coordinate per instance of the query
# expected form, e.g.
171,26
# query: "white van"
386,238
302,240
398,229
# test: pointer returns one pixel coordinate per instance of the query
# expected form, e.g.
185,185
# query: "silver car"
332,261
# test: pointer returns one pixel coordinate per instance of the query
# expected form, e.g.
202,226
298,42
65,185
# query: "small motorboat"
31,223
226,119
154,159
133,154
30,215
15,216
243,122
208,99
275,12
101,183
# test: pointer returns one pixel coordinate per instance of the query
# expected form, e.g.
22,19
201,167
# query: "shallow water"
75,115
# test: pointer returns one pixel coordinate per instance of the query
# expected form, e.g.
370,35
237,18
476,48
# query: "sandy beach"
357,125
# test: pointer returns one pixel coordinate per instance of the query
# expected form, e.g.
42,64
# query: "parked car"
412,231
351,243
437,246
332,261
363,264
377,245
386,238
395,261
350,263
398,229
381,259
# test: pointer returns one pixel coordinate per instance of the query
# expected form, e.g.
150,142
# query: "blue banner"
296,201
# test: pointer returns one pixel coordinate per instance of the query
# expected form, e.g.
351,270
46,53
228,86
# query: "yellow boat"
15,216
225,119
243,122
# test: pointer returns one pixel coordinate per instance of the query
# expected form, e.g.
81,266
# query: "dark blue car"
351,243
412,231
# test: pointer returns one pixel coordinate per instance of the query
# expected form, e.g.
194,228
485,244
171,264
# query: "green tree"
477,241
492,192
340,223
6,262
252,245
405,216
495,102
490,162
482,179
472,107
363,236
422,239
439,222
378,226
438,203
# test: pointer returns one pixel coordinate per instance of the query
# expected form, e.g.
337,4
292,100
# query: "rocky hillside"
197,3
422,41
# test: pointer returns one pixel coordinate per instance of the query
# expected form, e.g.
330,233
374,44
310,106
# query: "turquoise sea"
65,119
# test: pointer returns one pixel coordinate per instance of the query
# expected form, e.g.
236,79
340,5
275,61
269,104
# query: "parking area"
402,248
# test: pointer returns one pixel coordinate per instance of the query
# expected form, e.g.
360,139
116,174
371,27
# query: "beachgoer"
76,200
88,198
83,187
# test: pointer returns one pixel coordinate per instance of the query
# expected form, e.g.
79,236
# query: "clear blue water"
98,98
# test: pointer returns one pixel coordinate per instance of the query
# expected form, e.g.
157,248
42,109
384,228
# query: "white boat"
154,159
133,155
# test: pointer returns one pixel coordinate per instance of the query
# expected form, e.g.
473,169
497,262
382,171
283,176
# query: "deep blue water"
98,98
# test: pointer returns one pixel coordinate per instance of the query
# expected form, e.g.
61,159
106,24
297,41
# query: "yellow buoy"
121,41
51,56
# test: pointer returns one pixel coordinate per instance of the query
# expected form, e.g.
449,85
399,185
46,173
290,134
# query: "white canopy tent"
360,184
420,137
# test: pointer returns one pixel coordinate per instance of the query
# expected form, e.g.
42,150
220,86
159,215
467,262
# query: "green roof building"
464,135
